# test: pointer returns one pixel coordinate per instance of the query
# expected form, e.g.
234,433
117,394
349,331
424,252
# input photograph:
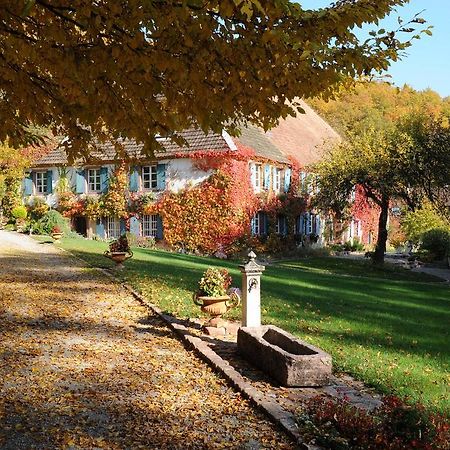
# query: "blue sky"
427,64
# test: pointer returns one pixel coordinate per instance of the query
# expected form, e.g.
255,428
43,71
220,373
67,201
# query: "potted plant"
214,294
56,233
119,251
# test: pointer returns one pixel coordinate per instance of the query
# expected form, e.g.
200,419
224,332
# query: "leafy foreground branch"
118,69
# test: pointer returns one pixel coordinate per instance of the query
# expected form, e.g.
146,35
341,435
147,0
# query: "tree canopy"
379,105
410,162
146,70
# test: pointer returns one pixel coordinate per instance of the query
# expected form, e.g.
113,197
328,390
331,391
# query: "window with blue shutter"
266,176
49,181
308,221
161,177
123,226
301,224
103,179
287,179
134,179
100,229
135,226
159,228
28,184
253,225
80,182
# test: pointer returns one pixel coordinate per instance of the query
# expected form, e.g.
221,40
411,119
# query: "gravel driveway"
84,366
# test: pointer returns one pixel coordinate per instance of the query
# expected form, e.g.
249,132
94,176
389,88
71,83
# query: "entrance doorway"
80,225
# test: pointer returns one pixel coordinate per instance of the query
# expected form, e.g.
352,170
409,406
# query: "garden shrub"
437,242
49,220
416,223
335,424
19,213
141,242
38,209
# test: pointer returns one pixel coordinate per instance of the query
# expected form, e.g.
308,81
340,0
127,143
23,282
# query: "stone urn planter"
57,236
214,295
118,257
119,251
216,307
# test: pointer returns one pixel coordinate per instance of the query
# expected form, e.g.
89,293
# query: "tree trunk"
380,249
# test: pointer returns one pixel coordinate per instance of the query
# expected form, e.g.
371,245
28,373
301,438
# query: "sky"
427,64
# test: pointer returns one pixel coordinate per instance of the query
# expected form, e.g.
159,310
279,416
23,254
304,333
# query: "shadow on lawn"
373,309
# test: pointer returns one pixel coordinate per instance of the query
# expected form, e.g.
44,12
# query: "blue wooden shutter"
100,229
308,224
264,223
122,226
134,179
318,225
301,224
135,226
287,179
159,228
49,181
103,179
80,186
283,226
253,226
266,176
28,184
161,177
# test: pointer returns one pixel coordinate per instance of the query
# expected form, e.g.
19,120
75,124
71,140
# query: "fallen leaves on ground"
84,366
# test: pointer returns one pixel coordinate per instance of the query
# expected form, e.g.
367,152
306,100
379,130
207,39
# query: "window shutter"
134,179
100,229
263,219
266,176
103,179
287,179
80,187
283,227
159,228
161,177
301,224
308,224
318,225
135,226
49,181
28,184
253,226
122,226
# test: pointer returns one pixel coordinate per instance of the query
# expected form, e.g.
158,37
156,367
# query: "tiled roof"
256,139
304,137
196,139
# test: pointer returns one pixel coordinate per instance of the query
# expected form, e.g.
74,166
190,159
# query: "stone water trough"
291,361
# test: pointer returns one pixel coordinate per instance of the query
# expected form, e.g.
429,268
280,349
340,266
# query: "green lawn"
389,328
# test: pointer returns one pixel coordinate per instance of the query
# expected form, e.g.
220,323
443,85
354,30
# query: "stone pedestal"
251,292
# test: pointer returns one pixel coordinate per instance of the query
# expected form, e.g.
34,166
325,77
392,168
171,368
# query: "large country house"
265,193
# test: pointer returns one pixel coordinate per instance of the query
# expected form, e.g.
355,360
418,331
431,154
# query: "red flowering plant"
332,423
56,229
120,245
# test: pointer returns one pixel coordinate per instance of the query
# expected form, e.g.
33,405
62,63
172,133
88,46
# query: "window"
256,175
94,180
277,180
41,182
281,226
150,225
256,225
112,227
358,229
149,177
